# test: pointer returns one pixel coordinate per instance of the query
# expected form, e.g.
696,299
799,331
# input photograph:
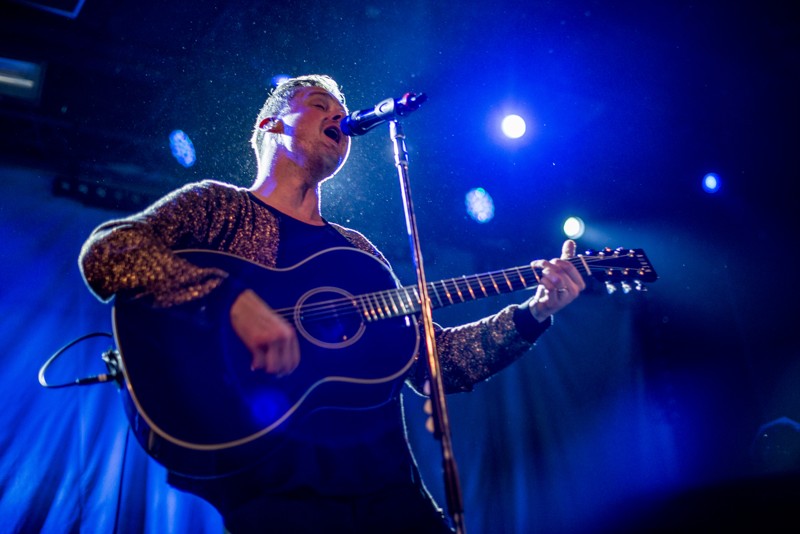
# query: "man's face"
311,133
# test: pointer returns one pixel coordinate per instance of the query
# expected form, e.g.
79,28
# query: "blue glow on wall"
182,148
711,183
480,205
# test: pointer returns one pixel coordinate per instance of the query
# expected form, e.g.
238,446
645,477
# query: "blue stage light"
182,148
574,227
513,126
711,182
480,205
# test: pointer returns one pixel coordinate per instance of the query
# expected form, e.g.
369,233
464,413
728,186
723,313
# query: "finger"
559,285
560,274
259,360
289,355
294,354
272,355
570,276
568,249
550,281
554,277
282,363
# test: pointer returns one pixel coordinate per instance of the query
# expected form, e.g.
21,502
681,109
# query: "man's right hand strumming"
269,337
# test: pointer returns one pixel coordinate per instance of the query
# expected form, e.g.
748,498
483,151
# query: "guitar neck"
406,300
466,288
610,266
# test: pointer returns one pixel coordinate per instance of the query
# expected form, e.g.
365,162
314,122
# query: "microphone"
360,122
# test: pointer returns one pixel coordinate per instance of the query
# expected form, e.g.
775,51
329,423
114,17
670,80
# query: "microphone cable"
111,357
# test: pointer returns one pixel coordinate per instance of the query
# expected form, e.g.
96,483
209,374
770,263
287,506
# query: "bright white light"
480,205
182,148
279,79
711,183
513,126
574,227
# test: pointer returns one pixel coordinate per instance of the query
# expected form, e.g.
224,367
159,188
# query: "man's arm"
134,258
471,353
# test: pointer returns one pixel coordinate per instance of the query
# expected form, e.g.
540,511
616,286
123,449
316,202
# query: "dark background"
628,105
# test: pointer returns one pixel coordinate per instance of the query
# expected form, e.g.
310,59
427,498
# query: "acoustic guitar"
197,408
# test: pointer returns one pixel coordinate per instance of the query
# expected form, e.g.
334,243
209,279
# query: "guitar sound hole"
328,317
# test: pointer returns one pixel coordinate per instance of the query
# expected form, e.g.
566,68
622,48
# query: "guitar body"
196,406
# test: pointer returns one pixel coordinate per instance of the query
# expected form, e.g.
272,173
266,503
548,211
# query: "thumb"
568,249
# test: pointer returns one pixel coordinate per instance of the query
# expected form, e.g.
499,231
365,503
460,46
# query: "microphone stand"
440,418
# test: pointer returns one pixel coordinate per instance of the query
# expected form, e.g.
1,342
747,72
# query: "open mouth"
333,133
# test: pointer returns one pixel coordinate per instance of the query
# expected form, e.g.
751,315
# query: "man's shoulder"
359,240
205,189
214,186
353,235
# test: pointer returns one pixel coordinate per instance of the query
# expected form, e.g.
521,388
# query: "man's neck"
293,196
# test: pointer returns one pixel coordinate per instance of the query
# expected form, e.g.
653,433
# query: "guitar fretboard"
407,301
610,266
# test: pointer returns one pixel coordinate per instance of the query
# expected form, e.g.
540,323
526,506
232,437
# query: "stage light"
574,227
20,79
480,205
182,148
711,183
513,126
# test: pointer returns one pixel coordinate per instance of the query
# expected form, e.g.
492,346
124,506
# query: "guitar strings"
377,301
390,302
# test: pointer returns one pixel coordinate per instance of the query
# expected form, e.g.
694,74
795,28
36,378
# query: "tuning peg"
639,286
610,288
626,287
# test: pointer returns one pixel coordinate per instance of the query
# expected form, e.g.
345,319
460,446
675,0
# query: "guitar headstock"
628,268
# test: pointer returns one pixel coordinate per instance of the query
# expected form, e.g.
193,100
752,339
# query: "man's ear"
271,125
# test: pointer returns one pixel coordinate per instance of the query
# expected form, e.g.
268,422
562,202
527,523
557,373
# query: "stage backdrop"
560,441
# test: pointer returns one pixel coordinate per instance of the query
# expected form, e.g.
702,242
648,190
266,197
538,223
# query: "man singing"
359,475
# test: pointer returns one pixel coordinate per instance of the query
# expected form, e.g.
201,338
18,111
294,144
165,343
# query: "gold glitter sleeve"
134,256
470,353
358,240
473,352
